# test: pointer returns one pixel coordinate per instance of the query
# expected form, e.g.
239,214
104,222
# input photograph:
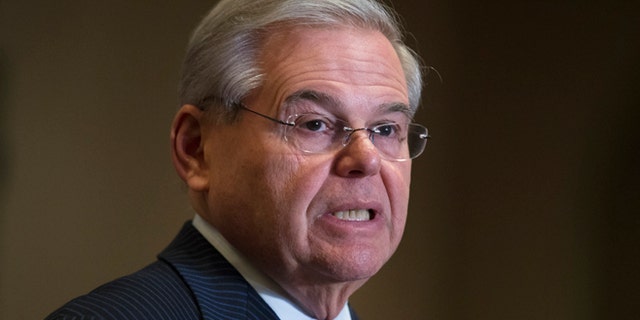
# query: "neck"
321,301
318,297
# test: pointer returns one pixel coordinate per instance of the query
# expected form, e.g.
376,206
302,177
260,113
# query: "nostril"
356,173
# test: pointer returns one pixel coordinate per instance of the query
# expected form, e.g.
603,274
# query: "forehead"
351,65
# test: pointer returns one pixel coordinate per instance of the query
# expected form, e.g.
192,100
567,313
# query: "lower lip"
349,227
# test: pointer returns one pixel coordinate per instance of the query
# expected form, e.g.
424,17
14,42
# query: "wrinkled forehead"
312,101
330,66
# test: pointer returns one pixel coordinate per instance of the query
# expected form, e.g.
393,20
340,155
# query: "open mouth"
354,215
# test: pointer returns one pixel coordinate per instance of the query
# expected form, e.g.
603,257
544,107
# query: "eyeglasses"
314,133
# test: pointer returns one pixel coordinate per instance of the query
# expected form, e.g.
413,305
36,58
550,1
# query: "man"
295,140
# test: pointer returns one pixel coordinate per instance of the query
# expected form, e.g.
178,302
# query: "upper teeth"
353,215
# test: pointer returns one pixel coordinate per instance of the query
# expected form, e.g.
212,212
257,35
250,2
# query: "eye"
387,130
313,123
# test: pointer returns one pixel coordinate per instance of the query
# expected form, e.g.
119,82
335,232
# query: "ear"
187,149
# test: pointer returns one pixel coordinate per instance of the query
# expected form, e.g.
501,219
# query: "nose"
359,157
350,133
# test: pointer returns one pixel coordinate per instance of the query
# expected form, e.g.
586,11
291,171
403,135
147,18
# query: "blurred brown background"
525,203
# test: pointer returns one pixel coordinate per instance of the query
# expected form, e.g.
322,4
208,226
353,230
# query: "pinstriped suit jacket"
190,280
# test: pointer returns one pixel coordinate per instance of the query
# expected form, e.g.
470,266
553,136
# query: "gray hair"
221,60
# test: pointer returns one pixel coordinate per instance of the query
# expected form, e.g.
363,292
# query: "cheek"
253,197
294,180
397,182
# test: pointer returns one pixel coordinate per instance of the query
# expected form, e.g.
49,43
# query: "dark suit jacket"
190,280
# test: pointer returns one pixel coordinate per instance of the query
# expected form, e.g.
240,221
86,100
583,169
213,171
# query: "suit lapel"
220,291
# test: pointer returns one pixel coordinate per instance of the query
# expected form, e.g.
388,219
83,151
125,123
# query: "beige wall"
524,203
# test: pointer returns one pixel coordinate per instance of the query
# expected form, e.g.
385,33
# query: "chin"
360,265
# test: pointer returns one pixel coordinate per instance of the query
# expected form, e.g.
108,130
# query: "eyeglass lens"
313,133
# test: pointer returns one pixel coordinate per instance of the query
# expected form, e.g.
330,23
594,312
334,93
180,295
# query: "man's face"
281,207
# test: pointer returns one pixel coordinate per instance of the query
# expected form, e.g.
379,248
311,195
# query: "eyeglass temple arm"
242,106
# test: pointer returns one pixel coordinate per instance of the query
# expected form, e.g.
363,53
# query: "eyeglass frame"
350,131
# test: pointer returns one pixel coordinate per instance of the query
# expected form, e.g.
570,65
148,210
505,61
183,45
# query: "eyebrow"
397,107
327,100
318,97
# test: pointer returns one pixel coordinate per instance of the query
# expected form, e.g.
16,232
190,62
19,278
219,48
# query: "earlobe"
187,147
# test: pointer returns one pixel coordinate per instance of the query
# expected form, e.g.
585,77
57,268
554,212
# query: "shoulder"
155,292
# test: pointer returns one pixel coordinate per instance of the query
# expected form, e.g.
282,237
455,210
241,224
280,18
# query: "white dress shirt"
268,289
